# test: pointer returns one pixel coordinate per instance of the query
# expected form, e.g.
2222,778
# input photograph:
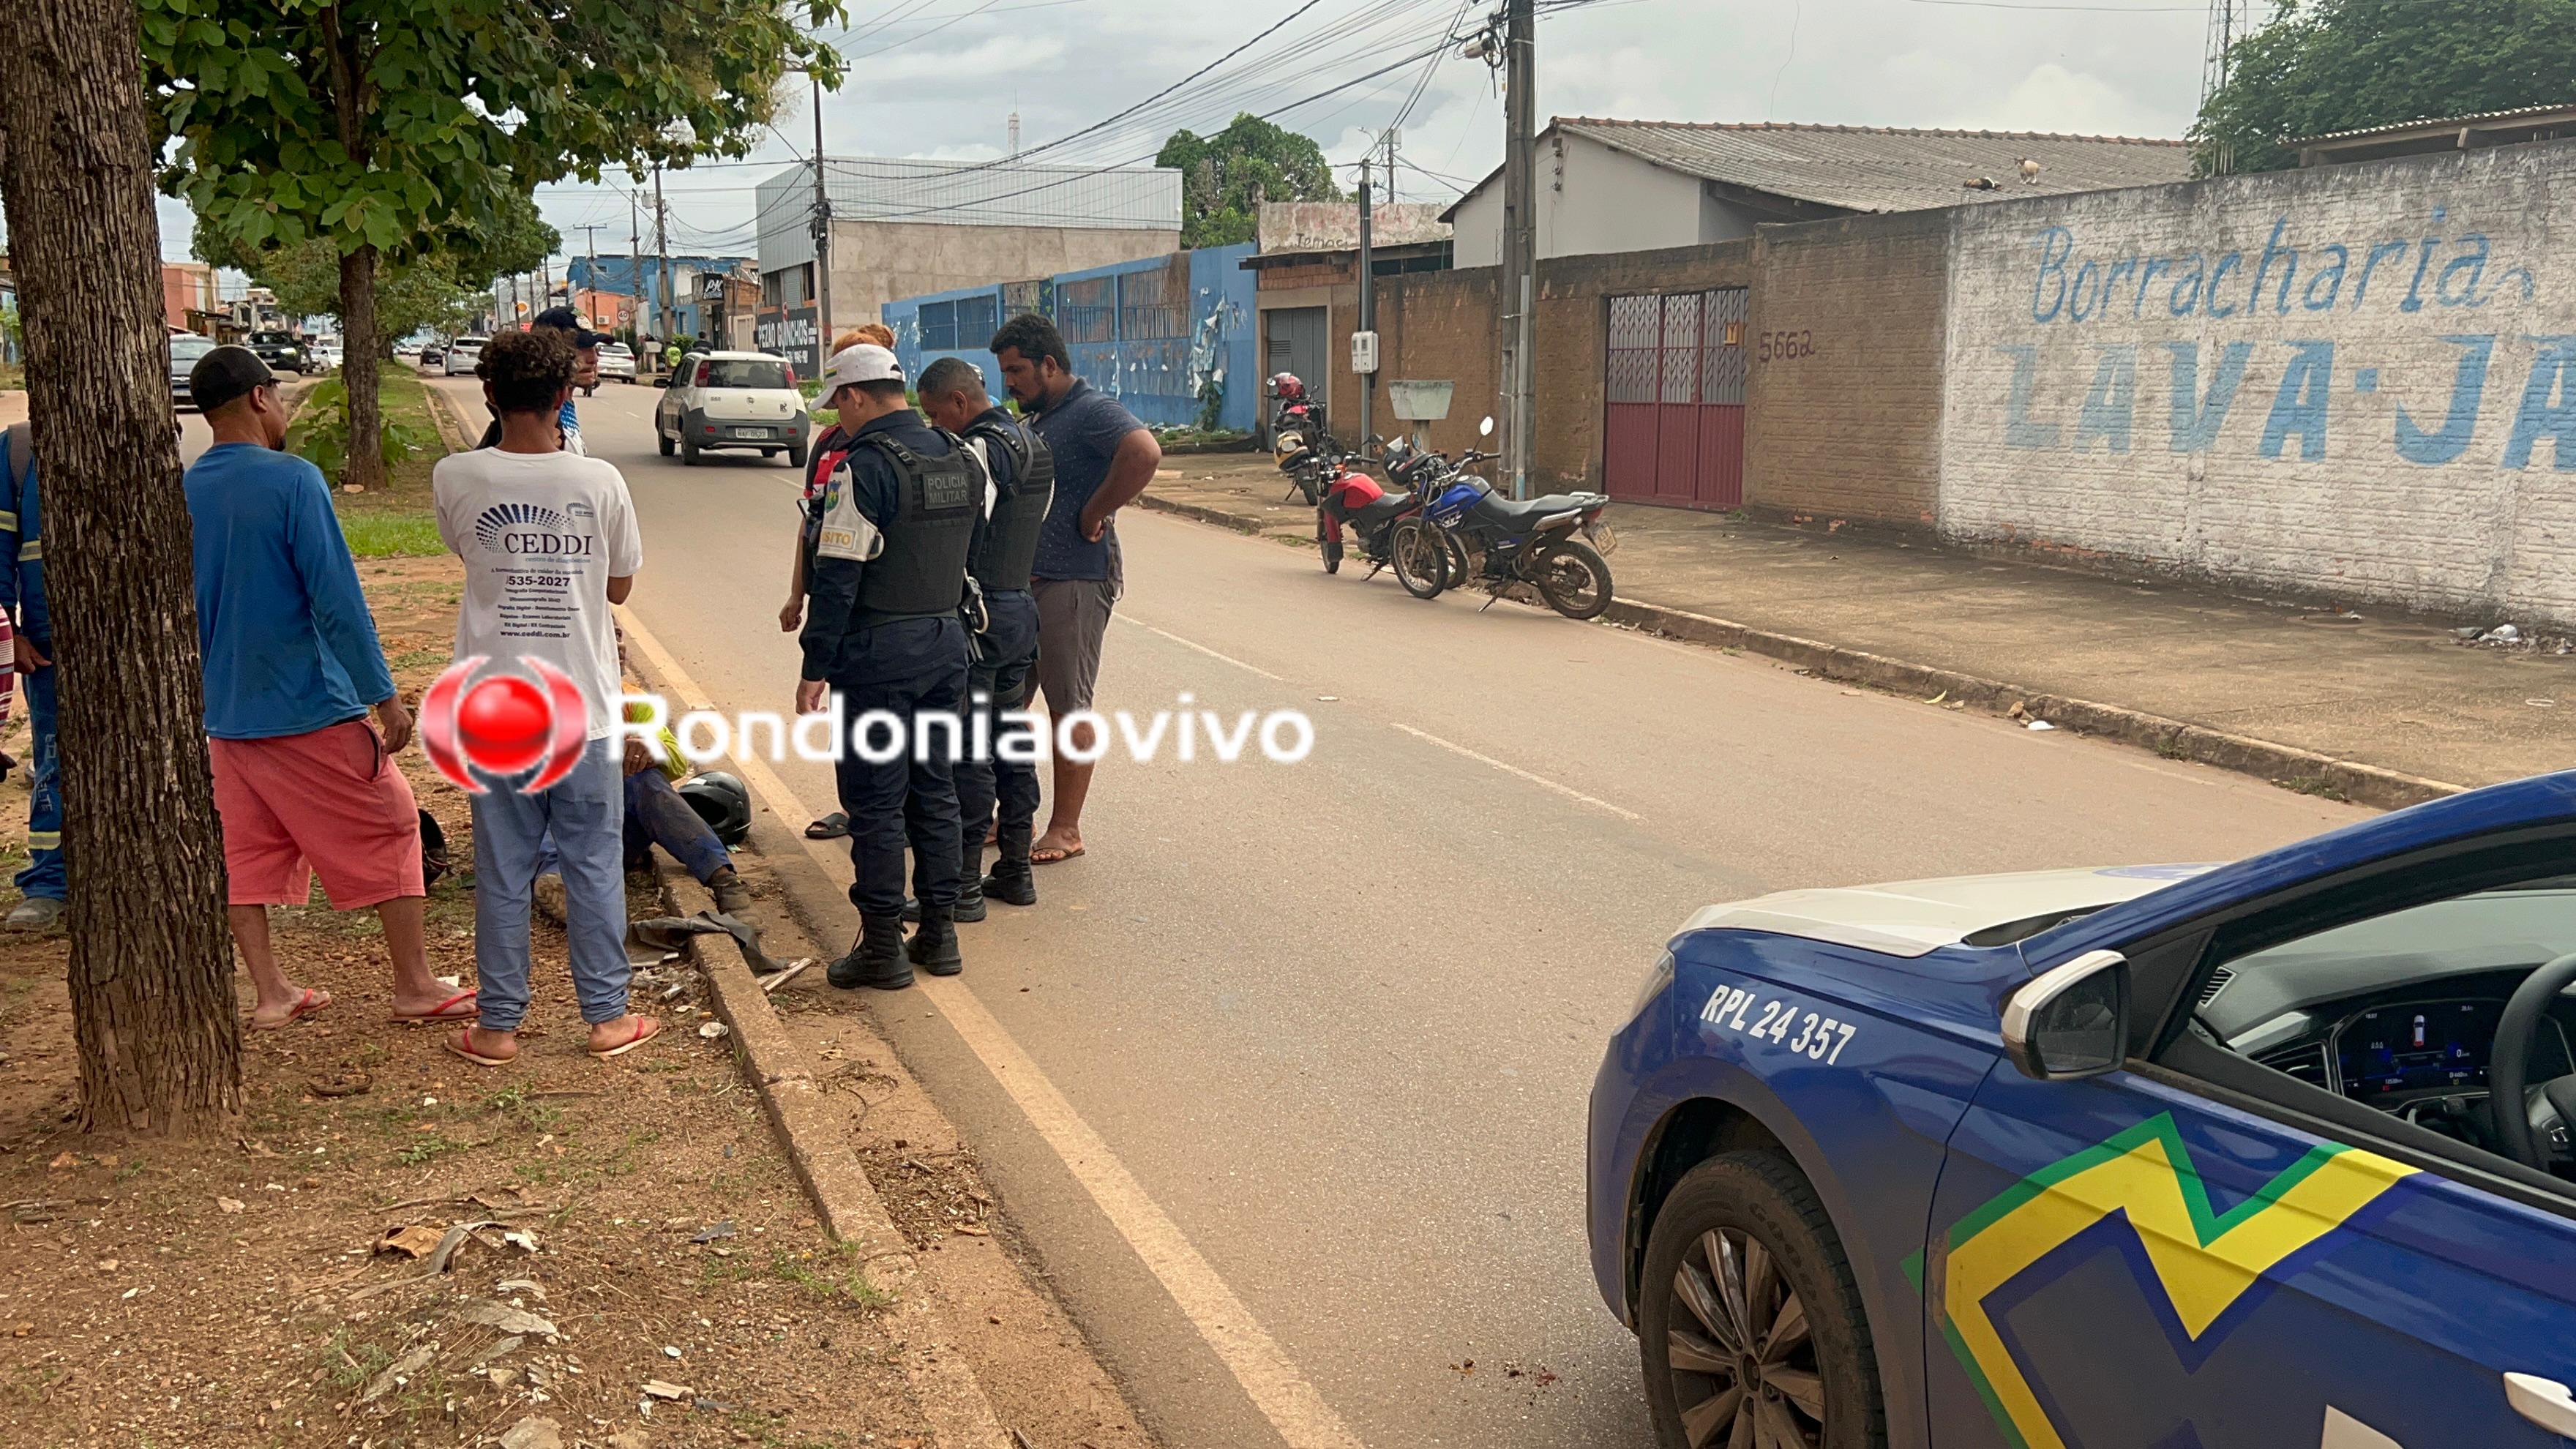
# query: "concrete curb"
442,414
810,1129
2284,765
1217,516
2174,739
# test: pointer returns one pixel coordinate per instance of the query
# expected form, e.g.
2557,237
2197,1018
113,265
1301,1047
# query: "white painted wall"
1593,200
2410,441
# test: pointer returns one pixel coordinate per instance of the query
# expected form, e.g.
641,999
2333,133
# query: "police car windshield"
745,372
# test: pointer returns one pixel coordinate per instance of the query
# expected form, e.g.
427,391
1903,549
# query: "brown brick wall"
1847,424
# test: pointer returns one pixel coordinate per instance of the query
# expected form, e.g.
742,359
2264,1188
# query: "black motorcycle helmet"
722,802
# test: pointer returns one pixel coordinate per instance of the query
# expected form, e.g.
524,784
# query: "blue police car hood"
1917,917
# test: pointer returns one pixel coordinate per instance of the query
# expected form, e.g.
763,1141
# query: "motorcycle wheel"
1421,556
1573,579
1332,550
1460,569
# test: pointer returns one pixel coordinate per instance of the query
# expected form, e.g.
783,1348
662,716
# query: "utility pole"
822,234
1391,136
2213,74
590,245
1368,307
662,251
635,273
1520,236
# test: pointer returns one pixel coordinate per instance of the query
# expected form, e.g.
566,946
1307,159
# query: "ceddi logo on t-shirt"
534,530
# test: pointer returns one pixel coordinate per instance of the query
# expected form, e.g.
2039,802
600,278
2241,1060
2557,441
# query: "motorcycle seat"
1384,506
1504,510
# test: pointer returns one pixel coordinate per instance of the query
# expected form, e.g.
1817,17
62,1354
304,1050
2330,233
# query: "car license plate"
747,432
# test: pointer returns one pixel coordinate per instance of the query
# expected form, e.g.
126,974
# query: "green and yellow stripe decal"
2205,1260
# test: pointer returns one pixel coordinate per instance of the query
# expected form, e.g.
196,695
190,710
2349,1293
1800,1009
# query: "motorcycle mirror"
1485,429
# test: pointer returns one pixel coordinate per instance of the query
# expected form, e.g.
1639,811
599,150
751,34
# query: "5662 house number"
1811,1034
1782,346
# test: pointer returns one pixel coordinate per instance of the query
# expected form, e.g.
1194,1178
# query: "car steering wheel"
2508,1097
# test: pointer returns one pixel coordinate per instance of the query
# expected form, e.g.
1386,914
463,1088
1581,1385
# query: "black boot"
732,896
876,959
970,884
933,946
1012,881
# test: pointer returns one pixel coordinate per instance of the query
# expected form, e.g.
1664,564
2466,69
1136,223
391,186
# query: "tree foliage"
2338,65
1226,177
393,128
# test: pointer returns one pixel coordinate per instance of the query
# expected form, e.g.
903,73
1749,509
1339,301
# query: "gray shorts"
1073,615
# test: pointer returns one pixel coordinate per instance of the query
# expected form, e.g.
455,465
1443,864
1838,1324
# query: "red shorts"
331,797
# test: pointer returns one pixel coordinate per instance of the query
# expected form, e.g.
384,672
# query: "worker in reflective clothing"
1020,478
899,519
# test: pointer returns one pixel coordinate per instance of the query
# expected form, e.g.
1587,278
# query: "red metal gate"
1675,430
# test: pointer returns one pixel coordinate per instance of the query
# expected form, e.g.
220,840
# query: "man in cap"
585,375
898,520
293,670
44,884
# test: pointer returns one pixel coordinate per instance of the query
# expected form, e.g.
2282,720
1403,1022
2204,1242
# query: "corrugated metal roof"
2437,123
1876,168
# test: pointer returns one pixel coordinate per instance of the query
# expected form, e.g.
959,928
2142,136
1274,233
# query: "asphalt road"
1338,1019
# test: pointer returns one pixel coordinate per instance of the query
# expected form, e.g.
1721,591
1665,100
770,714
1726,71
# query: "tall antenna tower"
1015,131
2223,27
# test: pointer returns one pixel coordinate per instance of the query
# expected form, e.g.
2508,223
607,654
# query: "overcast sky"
939,78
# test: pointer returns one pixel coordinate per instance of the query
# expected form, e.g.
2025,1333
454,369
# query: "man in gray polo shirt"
1103,459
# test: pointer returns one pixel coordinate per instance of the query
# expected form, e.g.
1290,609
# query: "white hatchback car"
463,354
616,363
733,400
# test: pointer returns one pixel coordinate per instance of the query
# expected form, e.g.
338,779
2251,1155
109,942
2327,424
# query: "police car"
2252,1156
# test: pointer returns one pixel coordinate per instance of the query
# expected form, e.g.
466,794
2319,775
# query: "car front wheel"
1749,1321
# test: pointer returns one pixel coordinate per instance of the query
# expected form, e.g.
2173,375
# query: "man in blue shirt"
22,591
293,669
1103,459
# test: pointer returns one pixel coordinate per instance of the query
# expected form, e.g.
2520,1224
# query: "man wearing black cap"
293,670
585,375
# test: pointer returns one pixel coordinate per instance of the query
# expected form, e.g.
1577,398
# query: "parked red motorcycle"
1383,523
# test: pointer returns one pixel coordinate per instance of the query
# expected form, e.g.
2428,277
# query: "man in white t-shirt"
549,542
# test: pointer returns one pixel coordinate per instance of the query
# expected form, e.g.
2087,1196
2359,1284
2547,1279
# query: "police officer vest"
1010,546
922,571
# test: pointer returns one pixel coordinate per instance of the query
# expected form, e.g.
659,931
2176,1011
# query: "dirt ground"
632,1262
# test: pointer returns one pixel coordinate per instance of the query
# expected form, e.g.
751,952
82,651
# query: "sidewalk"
2192,672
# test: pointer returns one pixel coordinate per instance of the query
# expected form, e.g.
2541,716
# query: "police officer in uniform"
898,519
1021,477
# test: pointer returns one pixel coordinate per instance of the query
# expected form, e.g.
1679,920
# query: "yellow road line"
1292,1405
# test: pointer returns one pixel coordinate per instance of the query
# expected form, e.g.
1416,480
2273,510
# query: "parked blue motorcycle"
1554,544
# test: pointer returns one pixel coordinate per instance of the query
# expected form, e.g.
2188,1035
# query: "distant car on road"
324,353
408,347
733,400
461,355
2251,1156
281,351
185,350
616,361
432,354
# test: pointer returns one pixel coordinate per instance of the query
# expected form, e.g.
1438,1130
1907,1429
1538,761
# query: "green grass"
392,535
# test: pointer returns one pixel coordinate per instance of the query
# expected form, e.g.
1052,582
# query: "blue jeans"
1010,655
656,815
44,875
906,667
585,817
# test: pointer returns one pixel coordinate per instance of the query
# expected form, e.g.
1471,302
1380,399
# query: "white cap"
865,362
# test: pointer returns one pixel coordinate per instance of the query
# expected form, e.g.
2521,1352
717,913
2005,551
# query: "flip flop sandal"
306,1005
1058,858
444,1011
646,1028
835,826
462,1044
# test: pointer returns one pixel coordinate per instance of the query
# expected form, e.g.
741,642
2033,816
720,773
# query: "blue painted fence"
1160,334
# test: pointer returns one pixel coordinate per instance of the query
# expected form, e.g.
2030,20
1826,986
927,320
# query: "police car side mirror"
2072,1021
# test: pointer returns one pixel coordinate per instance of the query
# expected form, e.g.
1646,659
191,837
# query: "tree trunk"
151,964
359,368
